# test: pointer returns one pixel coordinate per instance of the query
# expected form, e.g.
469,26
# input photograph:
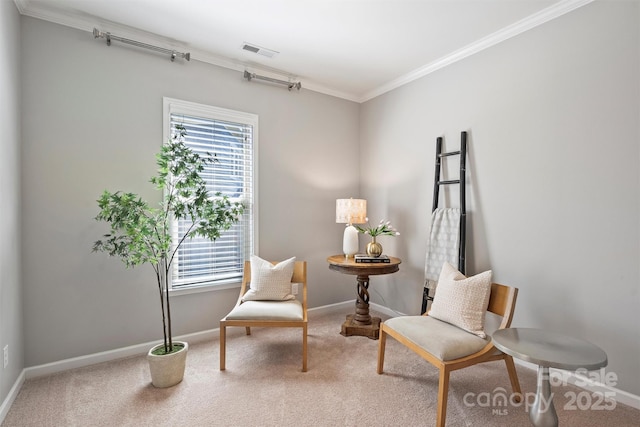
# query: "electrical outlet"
5,350
294,288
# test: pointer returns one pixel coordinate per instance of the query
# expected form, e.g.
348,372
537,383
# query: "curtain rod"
109,37
290,85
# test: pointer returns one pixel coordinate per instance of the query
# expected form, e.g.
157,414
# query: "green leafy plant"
383,228
141,234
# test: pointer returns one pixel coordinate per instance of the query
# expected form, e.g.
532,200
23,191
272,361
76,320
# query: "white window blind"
200,261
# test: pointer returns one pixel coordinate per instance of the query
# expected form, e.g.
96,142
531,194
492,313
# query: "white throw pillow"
462,301
270,282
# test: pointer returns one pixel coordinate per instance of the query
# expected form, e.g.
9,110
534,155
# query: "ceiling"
353,49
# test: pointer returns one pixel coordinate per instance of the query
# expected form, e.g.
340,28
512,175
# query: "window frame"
178,106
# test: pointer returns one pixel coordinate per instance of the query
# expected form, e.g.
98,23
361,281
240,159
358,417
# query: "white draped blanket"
443,244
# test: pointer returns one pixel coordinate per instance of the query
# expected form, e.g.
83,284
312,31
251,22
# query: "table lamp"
350,211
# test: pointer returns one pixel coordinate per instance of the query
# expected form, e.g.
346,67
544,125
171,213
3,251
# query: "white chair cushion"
270,282
441,339
462,301
267,310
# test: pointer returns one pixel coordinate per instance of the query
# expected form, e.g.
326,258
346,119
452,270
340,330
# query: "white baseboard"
139,349
385,310
11,397
332,307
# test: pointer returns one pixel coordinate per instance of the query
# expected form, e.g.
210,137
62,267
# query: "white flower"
384,227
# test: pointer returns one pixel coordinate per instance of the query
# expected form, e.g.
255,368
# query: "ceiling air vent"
259,50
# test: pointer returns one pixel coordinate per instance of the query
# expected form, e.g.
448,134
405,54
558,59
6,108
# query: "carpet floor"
264,386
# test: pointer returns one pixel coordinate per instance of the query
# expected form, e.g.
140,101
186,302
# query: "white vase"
167,370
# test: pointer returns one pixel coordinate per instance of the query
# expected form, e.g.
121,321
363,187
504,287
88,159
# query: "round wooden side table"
361,323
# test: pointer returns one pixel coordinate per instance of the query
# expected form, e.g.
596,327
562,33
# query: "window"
232,137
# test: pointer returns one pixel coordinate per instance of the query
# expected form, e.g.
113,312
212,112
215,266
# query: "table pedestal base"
351,327
543,413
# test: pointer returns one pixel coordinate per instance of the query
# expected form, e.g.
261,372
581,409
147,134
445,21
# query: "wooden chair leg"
381,348
443,393
304,348
247,330
513,377
223,344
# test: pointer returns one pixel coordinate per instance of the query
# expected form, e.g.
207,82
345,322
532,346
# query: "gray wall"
553,175
553,193
11,328
93,120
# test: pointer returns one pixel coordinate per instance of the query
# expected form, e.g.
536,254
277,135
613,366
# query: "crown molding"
19,6
526,24
88,22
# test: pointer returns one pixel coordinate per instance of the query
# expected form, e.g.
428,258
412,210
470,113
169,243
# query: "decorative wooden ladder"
463,206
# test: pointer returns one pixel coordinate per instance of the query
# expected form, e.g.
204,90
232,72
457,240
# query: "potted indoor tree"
141,234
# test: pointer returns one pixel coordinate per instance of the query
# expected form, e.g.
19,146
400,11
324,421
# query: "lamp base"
350,241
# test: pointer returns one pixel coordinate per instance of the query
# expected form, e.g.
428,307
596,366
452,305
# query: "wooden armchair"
450,348
282,314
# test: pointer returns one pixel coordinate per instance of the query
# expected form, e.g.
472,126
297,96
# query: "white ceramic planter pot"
167,370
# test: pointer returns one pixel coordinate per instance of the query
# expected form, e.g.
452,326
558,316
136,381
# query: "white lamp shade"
351,211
